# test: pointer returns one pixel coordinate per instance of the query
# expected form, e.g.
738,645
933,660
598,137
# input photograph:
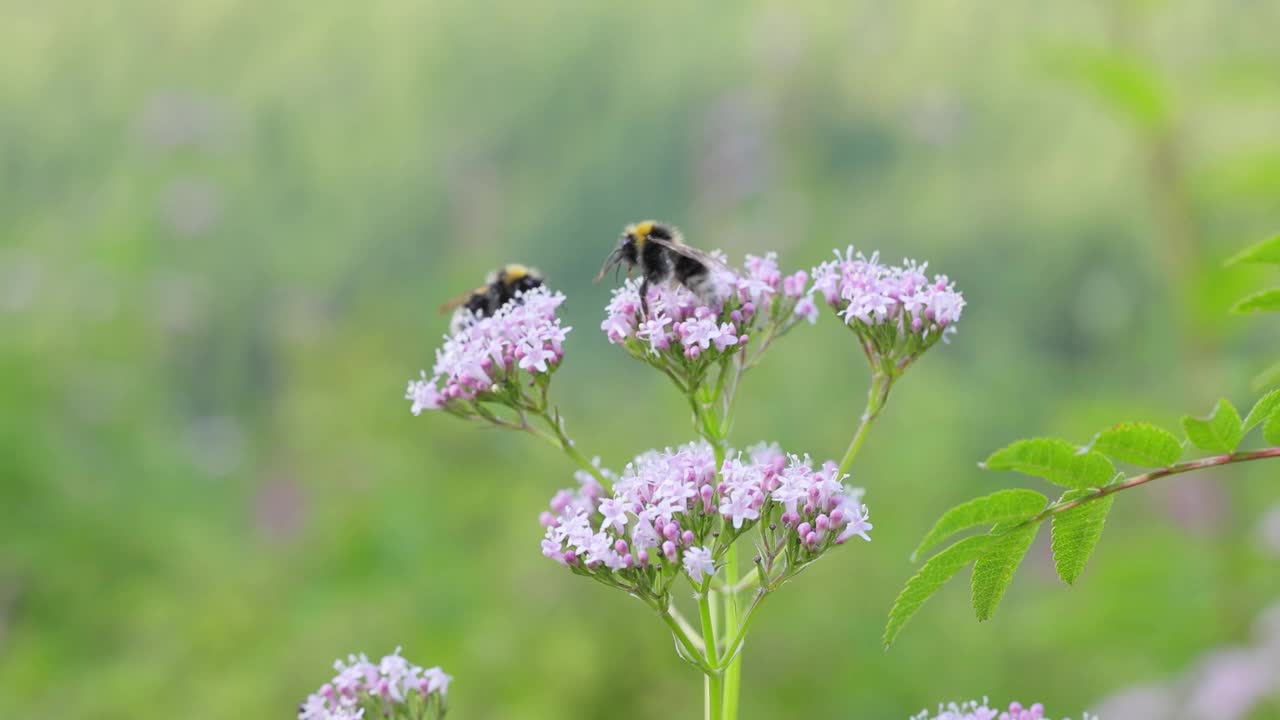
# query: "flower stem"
735,647
733,672
714,684
877,396
691,649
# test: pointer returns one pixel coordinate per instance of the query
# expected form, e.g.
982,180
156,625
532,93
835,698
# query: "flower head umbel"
687,337
496,359
674,512
897,312
391,688
974,710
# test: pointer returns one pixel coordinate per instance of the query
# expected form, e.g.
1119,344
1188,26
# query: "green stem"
877,395
714,685
685,641
734,648
732,673
743,584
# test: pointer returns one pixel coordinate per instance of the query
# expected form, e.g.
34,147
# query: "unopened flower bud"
669,549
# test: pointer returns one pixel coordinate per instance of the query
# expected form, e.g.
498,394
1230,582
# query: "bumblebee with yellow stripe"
501,287
661,254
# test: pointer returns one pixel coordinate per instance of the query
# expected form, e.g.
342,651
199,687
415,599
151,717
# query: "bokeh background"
225,227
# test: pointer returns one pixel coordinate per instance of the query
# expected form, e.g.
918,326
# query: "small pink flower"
699,563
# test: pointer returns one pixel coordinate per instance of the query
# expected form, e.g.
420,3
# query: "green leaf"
1266,252
1265,301
993,572
1139,444
1267,378
932,576
1076,532
1271,431
1057,461
997,507
1262,410
1220,432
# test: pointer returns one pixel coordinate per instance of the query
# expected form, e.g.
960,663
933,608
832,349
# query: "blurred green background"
225,227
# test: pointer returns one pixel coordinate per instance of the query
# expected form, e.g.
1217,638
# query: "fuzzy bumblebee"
662,256
501,287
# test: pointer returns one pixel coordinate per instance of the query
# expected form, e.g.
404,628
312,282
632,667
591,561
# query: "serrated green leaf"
995,508
1262,410
1266,252
1267,378
932,576
1057,461
1271,430
1139,444
993,572
1220,432
1076,532
1265,301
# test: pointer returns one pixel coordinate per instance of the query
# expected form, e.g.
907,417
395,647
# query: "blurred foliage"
225,226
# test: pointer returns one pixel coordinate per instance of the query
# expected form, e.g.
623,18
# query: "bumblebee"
661,254
500,287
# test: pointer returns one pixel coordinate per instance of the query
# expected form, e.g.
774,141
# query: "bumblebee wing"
458,301
689,251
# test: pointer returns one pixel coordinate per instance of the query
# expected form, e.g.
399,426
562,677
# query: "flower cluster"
686,334
391,688
494,359
675,510
980,711
897,312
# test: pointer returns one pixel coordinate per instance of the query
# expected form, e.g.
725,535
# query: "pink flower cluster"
488,354
686,327
864,292
672,506
980,711
407,690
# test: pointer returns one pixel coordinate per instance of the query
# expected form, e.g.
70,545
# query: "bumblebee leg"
644,298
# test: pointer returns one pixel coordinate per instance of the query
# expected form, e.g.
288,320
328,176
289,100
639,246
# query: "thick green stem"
734,648
877,396
714,685
733,671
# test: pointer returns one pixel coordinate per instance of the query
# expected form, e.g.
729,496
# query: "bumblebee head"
518,277
634,239
636,235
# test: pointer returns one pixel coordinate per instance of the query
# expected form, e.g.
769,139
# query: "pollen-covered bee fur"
662,256
500,287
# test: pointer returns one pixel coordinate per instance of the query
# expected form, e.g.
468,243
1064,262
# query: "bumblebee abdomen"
696,276
688,268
